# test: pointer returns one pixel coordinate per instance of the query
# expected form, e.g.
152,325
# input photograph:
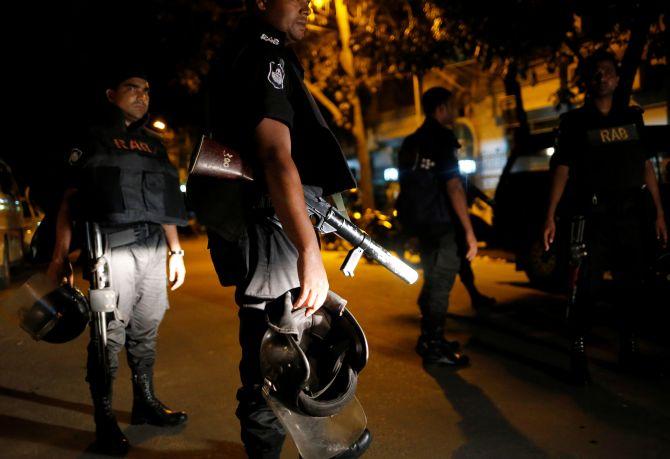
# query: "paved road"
512,402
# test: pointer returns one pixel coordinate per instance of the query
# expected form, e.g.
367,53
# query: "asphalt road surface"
513,401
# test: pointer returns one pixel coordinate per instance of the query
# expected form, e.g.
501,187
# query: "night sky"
60,57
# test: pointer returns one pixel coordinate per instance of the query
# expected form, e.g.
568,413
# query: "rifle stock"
217,161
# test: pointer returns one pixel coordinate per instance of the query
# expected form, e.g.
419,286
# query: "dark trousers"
262,433
615,243
441,263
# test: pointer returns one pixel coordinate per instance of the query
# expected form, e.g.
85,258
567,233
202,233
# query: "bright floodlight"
549,151
391,174
182,188
467,166
158,124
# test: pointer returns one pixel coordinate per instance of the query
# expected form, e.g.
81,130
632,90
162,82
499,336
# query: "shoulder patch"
75,156
276,74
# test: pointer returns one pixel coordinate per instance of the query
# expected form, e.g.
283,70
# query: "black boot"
440,351
444,343
629,353
358,448
579,368
108,436
147,409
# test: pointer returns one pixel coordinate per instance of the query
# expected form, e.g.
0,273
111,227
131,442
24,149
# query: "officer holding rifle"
262,109
601,153
125,194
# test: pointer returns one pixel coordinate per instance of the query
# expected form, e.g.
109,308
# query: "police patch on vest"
616,134
276,74
75,155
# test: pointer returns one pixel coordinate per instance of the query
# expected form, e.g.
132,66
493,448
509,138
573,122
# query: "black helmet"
57,317
312,364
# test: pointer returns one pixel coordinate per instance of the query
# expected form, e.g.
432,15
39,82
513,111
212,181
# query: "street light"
158,124
467,166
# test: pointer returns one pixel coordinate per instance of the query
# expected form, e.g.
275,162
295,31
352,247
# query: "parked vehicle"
12,225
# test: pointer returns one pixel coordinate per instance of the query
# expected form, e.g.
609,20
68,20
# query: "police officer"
601,154
121,179
431,190
262,108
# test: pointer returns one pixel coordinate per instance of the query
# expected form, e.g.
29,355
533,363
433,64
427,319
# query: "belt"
118,236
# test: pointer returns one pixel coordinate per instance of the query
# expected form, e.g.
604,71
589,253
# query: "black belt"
118,236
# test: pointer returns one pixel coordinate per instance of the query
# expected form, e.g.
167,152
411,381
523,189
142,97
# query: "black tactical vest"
124,176
608,152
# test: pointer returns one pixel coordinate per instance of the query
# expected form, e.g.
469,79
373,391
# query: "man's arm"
652,185
58,265
176,268
459,202
273,142
559,179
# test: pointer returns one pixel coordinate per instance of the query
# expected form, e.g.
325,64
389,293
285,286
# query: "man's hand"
176,271
60,272
313,282
661,230
471,242
549,232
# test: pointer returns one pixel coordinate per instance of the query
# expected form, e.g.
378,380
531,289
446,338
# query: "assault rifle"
577,255
214,160
101,297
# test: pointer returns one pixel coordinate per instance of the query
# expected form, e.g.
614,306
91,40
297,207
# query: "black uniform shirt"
606,153
261,78
432,148
427,160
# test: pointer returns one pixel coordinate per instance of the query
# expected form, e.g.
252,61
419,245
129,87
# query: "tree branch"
325,101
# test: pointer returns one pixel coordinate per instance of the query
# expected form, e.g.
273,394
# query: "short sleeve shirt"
262,78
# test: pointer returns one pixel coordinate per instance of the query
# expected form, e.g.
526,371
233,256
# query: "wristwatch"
177,252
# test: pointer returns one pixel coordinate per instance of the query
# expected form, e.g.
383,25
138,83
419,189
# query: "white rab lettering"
227,157
274,41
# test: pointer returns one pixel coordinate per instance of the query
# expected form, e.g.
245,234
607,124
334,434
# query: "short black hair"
433,98
601,55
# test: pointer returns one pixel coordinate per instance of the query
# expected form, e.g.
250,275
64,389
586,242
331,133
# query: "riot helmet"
51,313
312,363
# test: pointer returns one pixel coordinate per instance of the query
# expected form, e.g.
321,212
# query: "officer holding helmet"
262,109
121,180
602,155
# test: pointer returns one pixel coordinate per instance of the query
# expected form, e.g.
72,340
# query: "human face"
132,97
604,80
444,113
288,16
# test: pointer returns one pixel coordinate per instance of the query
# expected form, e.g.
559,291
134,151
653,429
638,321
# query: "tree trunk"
360,135
358,129
632,57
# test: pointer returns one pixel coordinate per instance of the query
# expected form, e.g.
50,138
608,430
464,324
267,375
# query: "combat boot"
147,409
109,439
629,353
438,351
422,344
579,368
